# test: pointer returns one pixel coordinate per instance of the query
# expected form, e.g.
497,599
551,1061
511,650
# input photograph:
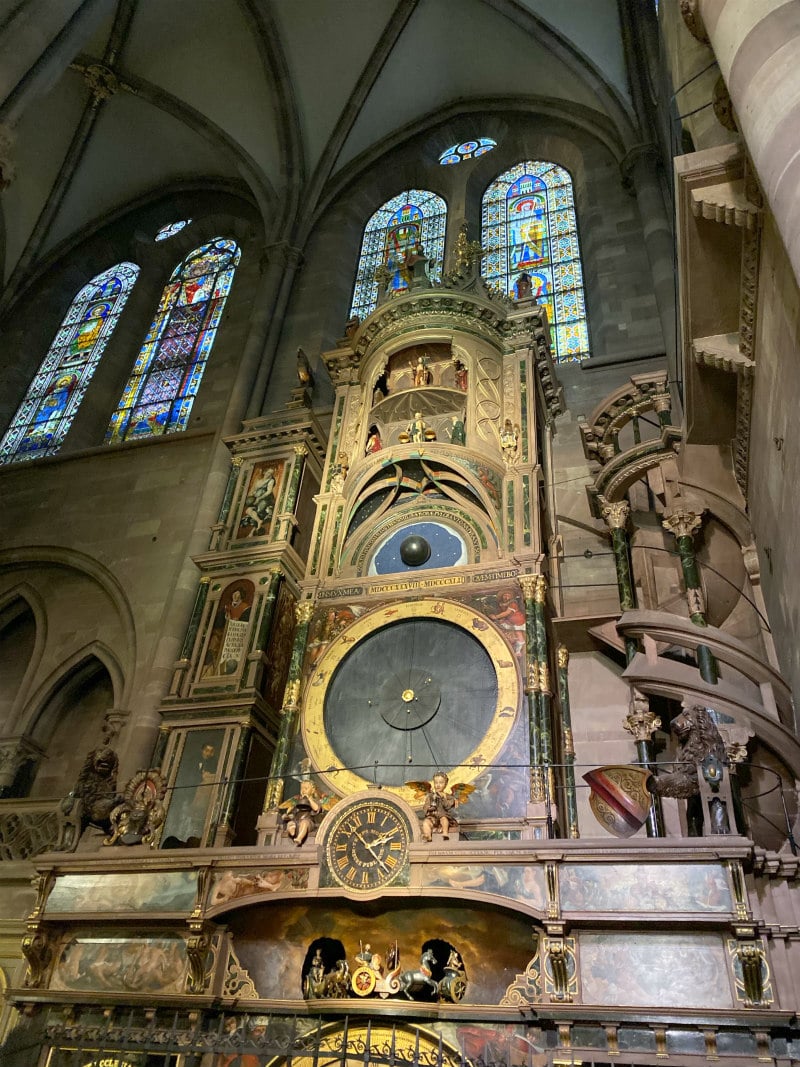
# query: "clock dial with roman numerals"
367,845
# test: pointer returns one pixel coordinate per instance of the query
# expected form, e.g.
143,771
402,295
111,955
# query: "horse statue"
413,983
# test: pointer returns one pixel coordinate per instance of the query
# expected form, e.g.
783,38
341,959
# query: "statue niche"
423,385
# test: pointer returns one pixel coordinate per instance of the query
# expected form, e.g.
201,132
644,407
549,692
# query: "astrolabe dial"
367,845
408,690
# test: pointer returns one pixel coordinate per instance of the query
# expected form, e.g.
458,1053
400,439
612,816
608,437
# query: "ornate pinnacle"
466,251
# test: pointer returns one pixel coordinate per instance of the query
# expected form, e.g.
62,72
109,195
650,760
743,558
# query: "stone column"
684,524
642,723
571,805
532,692
757,47
615,515
534,588
291,706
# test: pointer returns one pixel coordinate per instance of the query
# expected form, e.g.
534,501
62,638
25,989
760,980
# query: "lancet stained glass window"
55,394
529,226
414,217
166,376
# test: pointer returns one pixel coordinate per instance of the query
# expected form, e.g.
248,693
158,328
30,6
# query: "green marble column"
275,578
642,723
233,477
282,529
291,706
615,515
233,788
532,691
683,525
194,621
562,658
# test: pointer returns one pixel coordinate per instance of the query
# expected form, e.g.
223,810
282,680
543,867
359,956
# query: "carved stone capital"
14,752
562,657
615,513
662,402
682,522
304,611
640,721
300,450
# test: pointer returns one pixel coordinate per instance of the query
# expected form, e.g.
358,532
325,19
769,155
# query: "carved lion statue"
697,737
92,798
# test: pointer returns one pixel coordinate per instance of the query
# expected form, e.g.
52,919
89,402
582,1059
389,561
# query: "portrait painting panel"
260,499
227,641
524,884
194,788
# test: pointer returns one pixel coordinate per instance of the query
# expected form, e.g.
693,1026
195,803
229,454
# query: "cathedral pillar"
291,706
282,261
616,516
757,47
640,173
684,524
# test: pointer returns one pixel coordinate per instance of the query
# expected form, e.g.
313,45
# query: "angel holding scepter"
439,804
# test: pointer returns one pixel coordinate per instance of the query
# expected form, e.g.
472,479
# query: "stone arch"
68,720
20,605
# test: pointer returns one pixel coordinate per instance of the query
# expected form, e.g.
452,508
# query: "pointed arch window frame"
374,250
60,384
152,408
560,274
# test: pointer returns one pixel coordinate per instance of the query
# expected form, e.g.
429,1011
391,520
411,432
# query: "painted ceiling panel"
440,59
42,139
327,46
206,54
593,27
135,148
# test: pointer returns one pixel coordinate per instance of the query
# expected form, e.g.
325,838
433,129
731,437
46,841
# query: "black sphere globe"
414,551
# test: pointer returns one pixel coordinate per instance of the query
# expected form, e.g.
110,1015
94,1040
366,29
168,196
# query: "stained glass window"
416,216
55,394
529,227
166,376
171,229
467,150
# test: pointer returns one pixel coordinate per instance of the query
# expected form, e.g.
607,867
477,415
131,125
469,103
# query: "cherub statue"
439,804
302,812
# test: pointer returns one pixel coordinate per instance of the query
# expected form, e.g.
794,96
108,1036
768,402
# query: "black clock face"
406,690
367,845
414,696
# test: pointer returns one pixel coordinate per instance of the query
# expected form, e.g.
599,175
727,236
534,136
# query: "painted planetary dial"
407,690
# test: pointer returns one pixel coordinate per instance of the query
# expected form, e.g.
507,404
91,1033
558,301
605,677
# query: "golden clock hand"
385,837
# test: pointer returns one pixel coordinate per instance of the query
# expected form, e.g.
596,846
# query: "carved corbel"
198,949
560,974
37,948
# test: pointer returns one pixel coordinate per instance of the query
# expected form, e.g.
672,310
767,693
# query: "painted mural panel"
227,641
232,884
655,887
169,891
120,964
272,941
684,970
260,499
525,884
